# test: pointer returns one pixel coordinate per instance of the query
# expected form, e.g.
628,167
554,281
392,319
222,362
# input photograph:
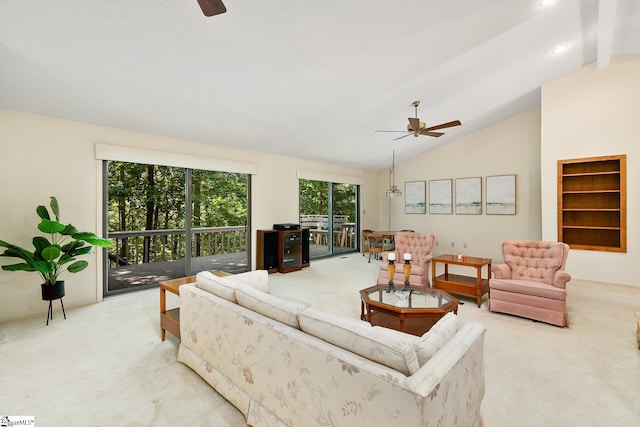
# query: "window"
167,222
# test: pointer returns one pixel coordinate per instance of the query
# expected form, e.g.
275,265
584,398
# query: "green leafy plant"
54,255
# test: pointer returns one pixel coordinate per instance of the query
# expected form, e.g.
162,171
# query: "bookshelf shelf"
592,203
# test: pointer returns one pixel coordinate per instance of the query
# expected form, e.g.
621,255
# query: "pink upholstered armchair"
532,282
420,246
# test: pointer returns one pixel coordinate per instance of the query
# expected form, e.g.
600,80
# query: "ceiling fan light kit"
393,190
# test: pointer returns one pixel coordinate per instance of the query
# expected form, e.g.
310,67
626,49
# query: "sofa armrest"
561,278
425,260
501,271
454,378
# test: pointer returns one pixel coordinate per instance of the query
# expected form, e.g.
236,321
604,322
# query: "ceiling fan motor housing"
409,129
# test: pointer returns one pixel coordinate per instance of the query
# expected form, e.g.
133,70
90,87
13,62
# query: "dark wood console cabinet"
281,250
289,250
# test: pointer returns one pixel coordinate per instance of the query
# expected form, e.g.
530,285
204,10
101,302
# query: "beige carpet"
105,364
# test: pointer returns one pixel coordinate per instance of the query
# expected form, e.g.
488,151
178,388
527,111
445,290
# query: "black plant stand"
50,312
51,293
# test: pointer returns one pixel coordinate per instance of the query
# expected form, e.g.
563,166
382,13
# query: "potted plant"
54,255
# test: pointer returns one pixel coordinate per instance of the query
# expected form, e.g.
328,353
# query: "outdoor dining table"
346,237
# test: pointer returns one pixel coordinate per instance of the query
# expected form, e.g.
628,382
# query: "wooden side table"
458,284
170,319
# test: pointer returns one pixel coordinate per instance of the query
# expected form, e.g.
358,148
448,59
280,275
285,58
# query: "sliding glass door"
168,222
329,210
344,209
219,222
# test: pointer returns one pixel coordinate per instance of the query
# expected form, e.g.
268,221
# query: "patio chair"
378,243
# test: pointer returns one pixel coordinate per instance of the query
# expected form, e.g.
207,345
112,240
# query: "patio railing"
343,231
144,246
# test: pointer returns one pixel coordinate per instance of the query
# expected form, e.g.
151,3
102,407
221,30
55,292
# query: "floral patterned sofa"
284,363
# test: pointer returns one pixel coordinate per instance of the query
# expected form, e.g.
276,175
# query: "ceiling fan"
417,128
212,7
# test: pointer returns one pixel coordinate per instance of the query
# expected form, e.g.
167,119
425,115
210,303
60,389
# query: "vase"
51,292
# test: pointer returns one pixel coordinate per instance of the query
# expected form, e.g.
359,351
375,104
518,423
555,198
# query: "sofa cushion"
529,287
225,287
499,297
259,279
391,348
269,305
534,260
436,337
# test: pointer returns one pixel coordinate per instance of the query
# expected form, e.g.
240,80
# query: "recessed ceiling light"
560,49
546,3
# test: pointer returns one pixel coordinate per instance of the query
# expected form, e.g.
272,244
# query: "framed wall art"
415,194
469,196
501,195
440,201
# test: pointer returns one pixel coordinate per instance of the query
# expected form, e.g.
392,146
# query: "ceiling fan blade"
444,125
414,123
403,131
428,133
212,7
403,136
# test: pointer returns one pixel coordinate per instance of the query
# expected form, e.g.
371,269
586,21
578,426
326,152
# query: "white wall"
509,147
594,112
42,156
590,112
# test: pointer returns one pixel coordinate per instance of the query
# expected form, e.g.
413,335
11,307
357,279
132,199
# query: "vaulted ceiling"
310,79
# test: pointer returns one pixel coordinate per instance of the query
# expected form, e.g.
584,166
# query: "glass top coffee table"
415,312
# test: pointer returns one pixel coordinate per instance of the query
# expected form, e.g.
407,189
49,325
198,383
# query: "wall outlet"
453,245
464,245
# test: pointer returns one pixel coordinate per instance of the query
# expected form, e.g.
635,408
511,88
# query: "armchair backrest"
417,244
534,260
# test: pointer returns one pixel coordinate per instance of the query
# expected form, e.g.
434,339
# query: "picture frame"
440,196
414,197
500,195
469,196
